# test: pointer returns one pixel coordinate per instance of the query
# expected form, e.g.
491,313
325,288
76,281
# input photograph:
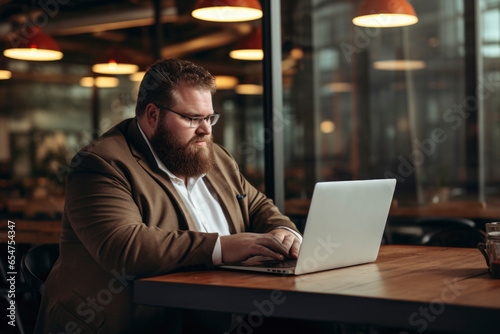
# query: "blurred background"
419,103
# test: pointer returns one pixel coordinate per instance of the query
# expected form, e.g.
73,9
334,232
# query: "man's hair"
164,76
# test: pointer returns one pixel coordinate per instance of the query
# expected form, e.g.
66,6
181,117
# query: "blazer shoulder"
224,158
111,148
111,143
222,152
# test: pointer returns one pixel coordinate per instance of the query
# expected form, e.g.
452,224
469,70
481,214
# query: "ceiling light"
38,47
227,10
137,76
327,126
101,82
249,89
385,13
112,67
5,75
250,48
399,65
115,61
224,82
339,87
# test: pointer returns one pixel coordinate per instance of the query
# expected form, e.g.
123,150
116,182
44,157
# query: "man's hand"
289,240
241,246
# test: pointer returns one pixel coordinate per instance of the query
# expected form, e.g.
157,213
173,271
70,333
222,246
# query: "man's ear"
152,115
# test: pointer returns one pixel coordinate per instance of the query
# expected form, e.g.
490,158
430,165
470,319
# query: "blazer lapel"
145,158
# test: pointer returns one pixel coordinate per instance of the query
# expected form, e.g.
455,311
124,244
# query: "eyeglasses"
195,122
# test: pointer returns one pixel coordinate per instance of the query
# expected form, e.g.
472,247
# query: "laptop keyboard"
275,264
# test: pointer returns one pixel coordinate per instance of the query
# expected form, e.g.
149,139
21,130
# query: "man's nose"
204,129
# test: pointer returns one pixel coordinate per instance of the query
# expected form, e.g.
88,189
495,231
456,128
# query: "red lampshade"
385,13
250,48
227,10
38,46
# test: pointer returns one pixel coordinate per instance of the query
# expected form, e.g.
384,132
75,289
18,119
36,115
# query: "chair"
445,222
449,232
36,265
437,231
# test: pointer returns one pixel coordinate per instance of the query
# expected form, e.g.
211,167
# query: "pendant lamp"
399,65
225,82
327,126
249,48
37,47
5,74
101,82
385,13
227,10
249,89
137,76
115,61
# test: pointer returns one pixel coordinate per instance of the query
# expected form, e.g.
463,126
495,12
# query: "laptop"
344,227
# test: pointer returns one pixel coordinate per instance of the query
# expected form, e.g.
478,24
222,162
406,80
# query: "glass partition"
489,85
395,102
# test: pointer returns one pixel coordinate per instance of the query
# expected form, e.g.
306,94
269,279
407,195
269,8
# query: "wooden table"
410,287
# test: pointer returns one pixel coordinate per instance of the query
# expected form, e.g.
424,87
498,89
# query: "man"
153,195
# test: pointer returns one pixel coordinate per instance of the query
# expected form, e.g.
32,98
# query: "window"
401,102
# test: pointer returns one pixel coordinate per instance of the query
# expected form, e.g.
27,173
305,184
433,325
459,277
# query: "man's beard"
189,160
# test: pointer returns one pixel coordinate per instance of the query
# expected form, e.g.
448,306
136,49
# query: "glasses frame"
195,122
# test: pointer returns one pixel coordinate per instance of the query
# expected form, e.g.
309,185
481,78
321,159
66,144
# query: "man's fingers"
288,242
239,247
294,251
265,251
274,244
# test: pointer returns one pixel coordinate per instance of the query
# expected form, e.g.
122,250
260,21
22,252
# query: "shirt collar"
190,181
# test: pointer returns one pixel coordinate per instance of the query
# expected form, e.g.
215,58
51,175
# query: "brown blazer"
124,220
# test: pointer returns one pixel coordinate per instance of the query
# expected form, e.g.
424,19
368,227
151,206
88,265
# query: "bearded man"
154,195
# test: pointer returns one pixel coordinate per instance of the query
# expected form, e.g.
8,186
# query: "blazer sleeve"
106,220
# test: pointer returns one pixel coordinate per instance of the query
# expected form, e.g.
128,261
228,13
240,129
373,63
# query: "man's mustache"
206,138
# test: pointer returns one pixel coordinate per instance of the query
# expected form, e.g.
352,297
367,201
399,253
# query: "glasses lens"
214,118
197,121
